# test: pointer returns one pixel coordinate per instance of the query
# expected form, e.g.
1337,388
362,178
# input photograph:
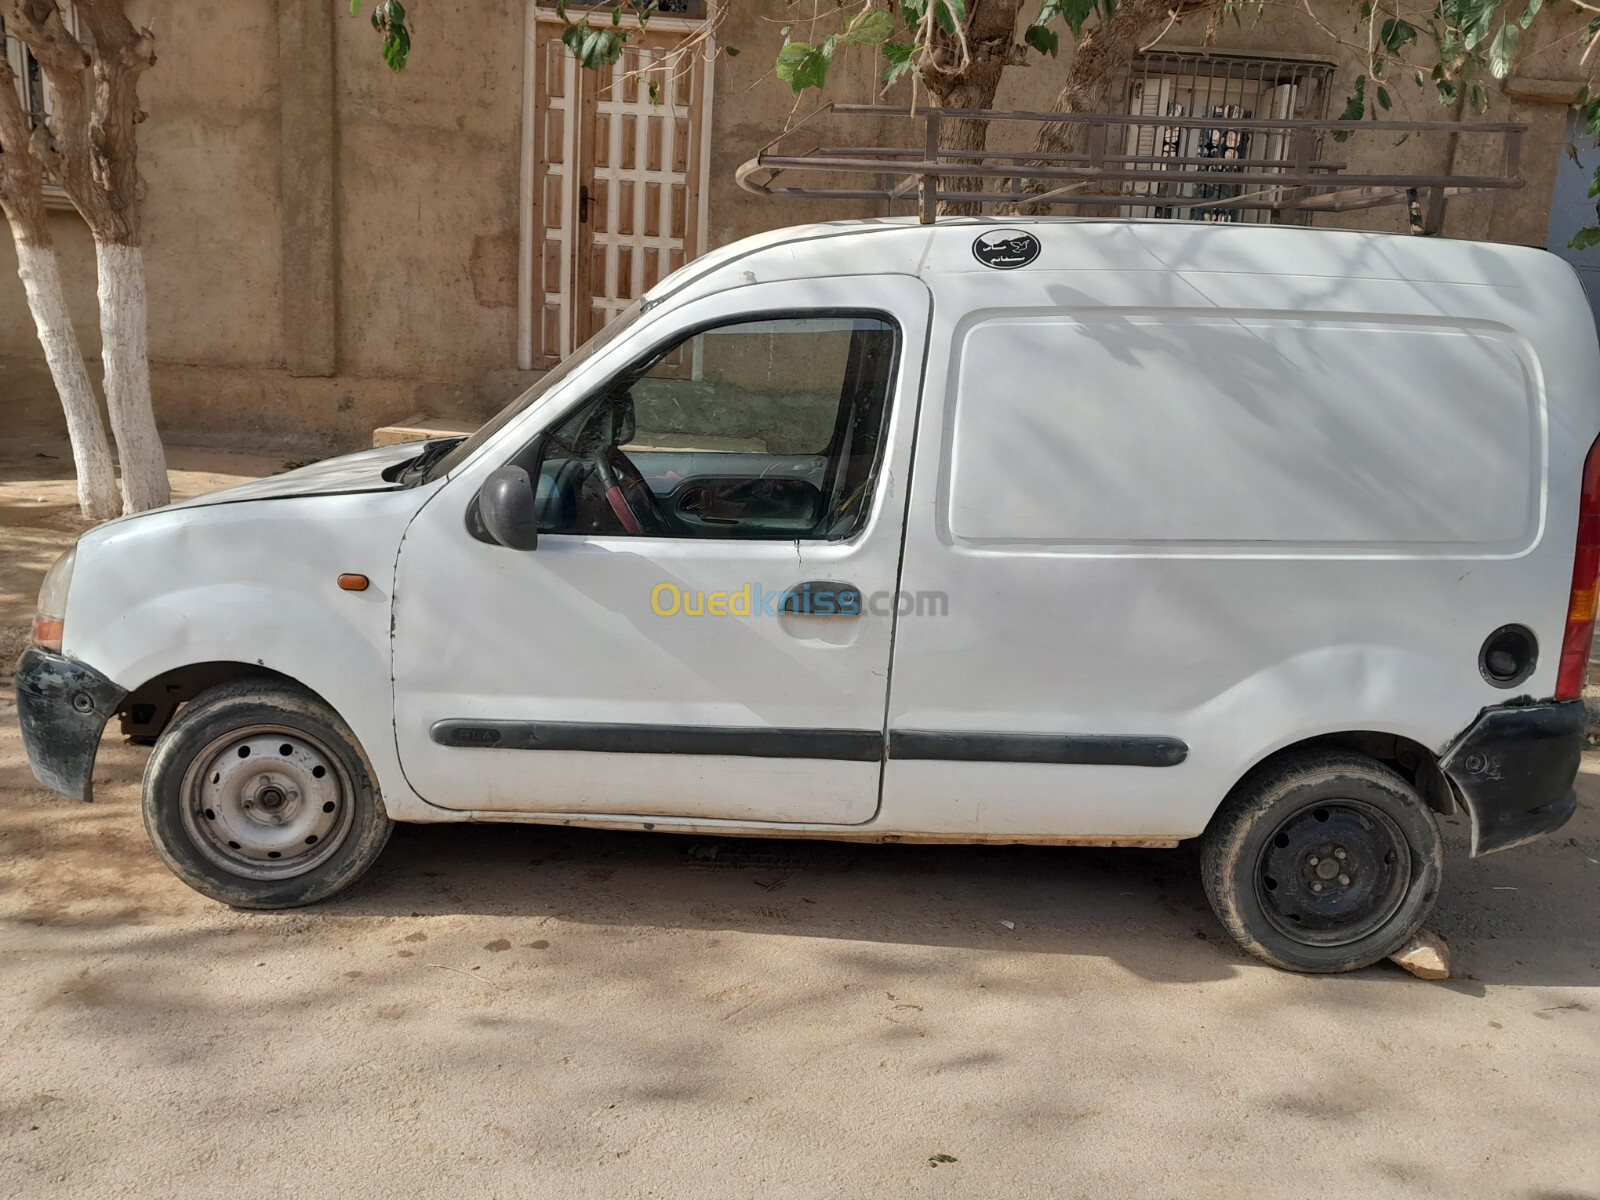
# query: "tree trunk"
125,350
991,45
97,480
1099,62
22,199
91,148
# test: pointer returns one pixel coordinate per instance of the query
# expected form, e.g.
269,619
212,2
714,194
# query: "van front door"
704,628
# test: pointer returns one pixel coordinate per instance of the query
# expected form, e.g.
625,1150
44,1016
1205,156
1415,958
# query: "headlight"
51,618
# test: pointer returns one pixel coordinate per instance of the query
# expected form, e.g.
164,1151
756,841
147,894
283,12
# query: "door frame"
528,239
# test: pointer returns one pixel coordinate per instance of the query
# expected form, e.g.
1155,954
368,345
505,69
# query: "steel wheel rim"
267,802
1333,873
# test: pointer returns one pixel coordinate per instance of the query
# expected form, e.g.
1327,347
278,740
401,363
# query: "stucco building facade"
331,246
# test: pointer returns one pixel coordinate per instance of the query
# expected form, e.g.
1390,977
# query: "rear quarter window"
1149,428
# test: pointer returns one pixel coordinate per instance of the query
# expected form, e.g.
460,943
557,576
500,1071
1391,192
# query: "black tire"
292,824
1322,861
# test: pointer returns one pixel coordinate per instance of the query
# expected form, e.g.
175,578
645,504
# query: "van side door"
722,496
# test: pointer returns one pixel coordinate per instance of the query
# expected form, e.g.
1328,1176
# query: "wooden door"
620,187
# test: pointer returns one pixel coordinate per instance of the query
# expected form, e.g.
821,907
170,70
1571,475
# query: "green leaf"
389,19
655,94
1383,98
1594,184
1478,97
1396,35
1473,18
1529,13
355,7
1073,12
397,48
870,28
594,48
1355,107
1589,30
899,57
1591,118
1585,238
802,65
1045,41
1076,12
1503,50
731,51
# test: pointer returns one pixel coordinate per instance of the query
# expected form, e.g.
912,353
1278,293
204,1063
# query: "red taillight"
1585,592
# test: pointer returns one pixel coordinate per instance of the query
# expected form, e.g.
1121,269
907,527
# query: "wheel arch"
1413,761
149,708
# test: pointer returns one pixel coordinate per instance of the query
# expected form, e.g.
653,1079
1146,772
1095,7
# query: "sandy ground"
500,1011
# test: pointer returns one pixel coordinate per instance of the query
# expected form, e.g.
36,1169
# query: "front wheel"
258,795
1322,862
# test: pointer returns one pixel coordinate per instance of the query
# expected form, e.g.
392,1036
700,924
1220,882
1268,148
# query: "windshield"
551,380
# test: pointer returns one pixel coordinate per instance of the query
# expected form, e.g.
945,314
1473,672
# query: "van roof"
903,245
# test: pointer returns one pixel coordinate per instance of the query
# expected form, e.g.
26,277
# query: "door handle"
823,598
584,200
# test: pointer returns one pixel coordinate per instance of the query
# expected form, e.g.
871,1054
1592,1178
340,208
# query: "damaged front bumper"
1513,770
63,706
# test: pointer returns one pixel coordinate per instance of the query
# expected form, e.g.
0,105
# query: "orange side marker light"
353,583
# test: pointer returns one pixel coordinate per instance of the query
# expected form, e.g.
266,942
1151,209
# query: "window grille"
31,87
1191,84
693,10
34,90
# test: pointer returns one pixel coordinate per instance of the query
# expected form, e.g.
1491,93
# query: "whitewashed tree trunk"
97,480
125,350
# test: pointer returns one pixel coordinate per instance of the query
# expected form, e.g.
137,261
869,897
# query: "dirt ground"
501,1011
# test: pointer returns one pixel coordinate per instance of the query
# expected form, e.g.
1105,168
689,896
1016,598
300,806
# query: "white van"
1068,532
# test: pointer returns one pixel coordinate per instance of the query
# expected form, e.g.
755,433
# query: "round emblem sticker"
1005,249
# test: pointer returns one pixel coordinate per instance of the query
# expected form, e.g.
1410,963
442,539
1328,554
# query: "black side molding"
1078,749
849,745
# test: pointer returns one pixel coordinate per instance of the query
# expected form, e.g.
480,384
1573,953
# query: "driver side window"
764,428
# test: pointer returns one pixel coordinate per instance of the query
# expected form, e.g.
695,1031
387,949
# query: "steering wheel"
630,497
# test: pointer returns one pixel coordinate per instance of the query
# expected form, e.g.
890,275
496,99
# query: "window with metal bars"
693,10
34,90
1175,83
31,88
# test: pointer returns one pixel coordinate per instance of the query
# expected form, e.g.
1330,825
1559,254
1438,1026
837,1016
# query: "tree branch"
21,175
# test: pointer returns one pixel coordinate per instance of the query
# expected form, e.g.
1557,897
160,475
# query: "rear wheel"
258,795
1324,861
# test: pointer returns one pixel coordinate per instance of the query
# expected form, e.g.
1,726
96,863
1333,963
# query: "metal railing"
1104,172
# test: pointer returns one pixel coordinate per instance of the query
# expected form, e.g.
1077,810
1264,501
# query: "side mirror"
509,510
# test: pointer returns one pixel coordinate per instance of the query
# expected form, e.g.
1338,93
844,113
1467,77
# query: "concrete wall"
331,246
423,168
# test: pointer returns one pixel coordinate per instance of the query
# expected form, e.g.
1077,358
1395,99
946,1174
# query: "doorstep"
420,428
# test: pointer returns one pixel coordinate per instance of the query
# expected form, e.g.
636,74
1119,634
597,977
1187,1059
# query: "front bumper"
63,706
1513,769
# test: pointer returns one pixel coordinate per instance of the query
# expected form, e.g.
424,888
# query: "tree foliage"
1454,49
